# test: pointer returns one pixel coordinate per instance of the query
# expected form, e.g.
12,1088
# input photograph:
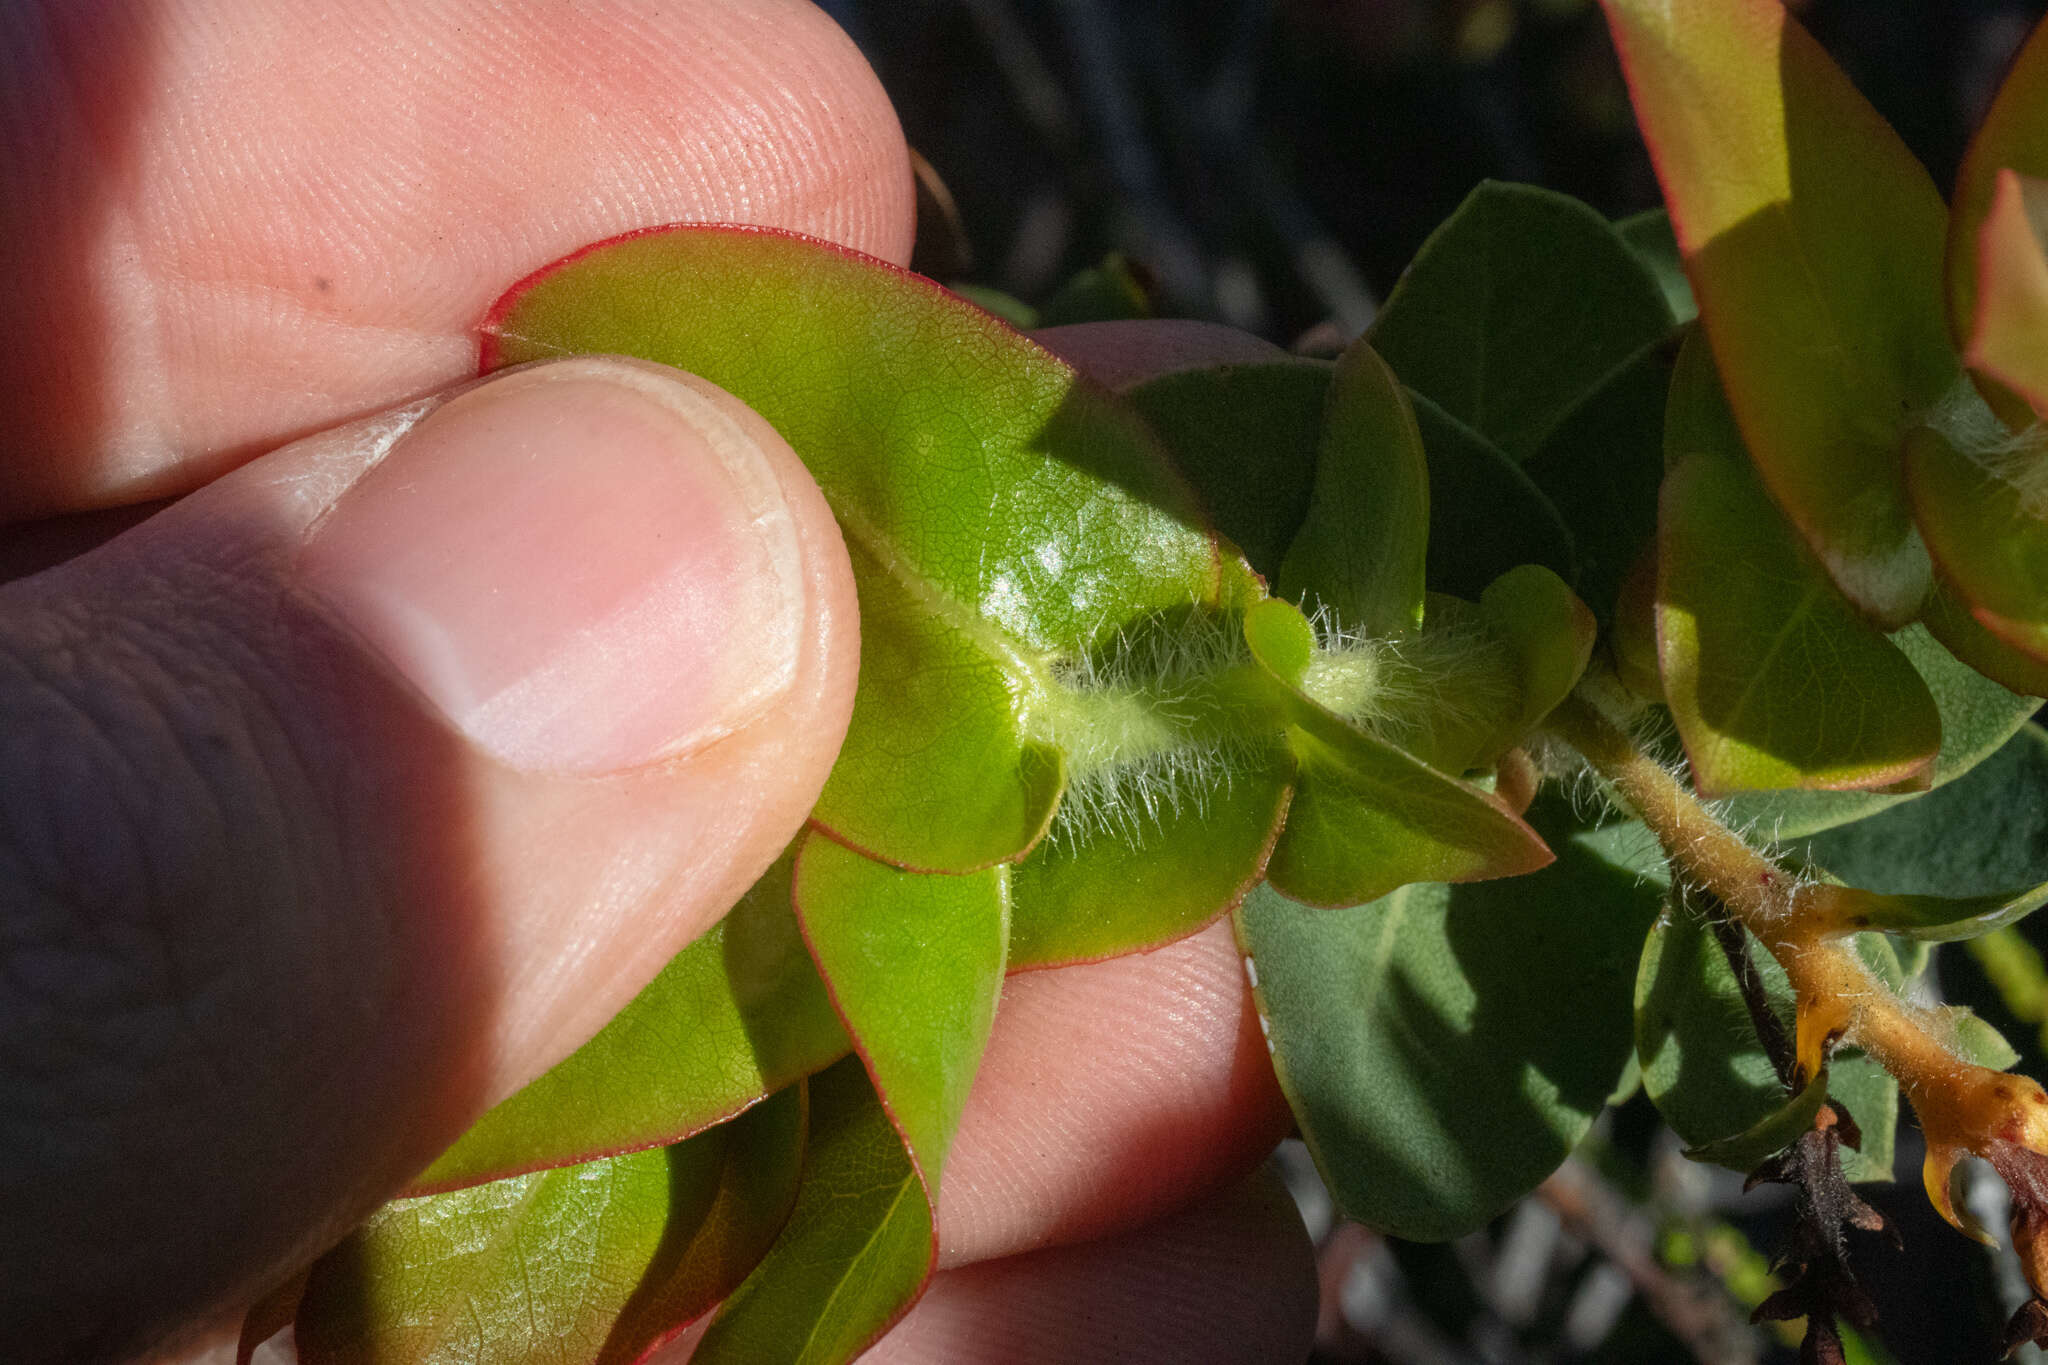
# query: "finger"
1111,1094
232,222
355,789
1230,1279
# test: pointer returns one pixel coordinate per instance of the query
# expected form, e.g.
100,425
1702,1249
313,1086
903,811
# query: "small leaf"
1942,919
1362,548
1977,1042
1949,621
1649,235
737,1015
1703,1066
1550,631
855,1253
1825,311
1773,679
1368,817
1145,878
1769,1135
915,964
1977,716
1111,291
1985,514
599,1262
1446,1047
1245,436
1485,514
2010,334
1002,513
2012,136
1518,305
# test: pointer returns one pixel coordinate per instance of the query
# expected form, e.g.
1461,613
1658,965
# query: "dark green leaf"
1361,550
1987,526
598,1262
915,964
1485,515
738,1014
1814,240
1518,305
1003,515
1649,235
1245,436
1110,292
855,1253
1703,1066
1446,1047
1769,1135
1601,469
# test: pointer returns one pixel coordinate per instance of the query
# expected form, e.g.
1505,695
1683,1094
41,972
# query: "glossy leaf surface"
598,1262
1363,545
855,1253
1773,678
915,964
735,1016
1444,1048
1704,1067
1002,513
1245,436
1825,310
1773,1133
1518,305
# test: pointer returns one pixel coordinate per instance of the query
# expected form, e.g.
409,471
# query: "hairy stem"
1806,926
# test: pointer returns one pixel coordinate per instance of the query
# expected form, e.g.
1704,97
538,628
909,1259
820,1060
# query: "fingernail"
587,566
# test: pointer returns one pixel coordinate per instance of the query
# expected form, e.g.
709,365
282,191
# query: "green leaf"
1245,436
1976,1041
599,1262
1601,470
1983,832
1649,235
1956,863
1949,621
1362,547
1518,305
1008,307
1769,1135
2012,136
1549,630
737,1015
1446,1047
1002,514
2010,332
1109,292
1977,716
1814,241
915,965
1773,678
1985,514
1485,514
1368,817
855,1254
1703,1066
1138,876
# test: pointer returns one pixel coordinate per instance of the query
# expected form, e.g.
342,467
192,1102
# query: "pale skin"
236,229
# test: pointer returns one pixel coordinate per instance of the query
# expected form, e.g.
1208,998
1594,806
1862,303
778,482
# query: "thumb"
355,789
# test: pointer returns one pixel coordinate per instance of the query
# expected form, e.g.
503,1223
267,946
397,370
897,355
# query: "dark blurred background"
1274,164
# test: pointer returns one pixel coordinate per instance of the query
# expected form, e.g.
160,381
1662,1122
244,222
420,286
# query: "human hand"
359,785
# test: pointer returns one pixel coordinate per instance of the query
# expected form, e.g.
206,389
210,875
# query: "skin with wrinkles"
273,930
